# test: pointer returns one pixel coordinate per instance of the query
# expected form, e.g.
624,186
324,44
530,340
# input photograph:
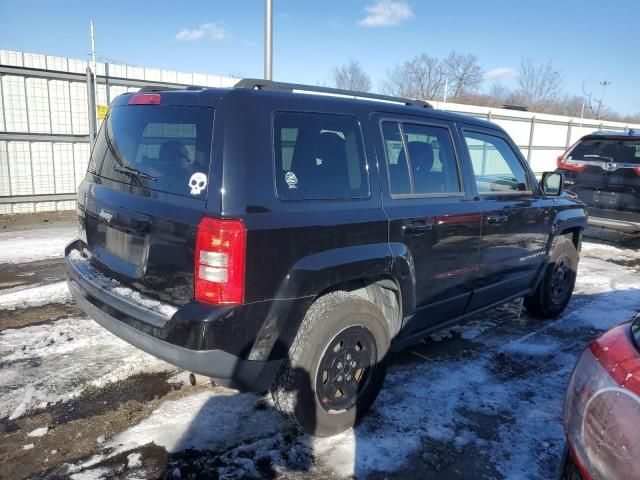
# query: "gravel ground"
479,400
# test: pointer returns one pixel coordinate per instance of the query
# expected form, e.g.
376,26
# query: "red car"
602,408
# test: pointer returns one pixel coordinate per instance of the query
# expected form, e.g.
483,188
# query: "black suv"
270,237
603,170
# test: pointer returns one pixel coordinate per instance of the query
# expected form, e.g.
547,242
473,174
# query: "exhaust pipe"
197,379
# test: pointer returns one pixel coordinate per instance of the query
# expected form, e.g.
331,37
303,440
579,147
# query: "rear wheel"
555,290
336,365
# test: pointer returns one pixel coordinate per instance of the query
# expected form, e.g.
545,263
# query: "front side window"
319,157
420,159
496,166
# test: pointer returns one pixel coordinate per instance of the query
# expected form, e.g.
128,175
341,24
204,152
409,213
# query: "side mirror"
552,184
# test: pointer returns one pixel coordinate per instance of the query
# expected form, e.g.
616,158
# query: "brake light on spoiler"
145,99
220,261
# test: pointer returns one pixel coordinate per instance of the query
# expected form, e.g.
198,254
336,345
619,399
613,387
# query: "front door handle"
497,219
416,227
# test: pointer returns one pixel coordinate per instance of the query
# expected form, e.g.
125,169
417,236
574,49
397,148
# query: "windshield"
161,148
608,150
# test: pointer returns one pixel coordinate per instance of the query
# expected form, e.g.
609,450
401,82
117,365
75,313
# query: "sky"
588,41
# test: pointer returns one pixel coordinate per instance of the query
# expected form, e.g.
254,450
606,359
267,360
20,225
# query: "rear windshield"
608,150
161,148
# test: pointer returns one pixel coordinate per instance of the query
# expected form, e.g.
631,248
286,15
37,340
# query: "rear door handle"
416,227
497,219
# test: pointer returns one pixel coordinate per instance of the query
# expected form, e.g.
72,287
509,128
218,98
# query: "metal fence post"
91,107
568,142
533,127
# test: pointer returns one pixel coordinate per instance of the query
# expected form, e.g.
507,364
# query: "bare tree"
351,77
464,74
539,84
423,77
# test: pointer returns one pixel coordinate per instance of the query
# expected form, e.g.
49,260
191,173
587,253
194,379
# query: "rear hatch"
146,192
604,171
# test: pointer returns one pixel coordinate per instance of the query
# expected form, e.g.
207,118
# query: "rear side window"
495,165
607,150
420,159
161,148
319,156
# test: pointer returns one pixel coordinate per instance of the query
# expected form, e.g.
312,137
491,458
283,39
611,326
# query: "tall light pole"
604,84
268,40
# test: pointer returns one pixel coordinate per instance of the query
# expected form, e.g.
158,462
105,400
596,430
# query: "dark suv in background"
603,170
272,238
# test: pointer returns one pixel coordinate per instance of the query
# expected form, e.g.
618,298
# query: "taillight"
602,408
219,261
145,99
565,164
638,171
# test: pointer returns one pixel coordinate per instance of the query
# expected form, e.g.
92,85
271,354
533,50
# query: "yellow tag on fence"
102,111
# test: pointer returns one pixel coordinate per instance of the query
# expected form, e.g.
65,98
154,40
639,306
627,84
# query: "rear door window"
420,159
160,148
319,156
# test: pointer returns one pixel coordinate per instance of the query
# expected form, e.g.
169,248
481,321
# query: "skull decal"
198,182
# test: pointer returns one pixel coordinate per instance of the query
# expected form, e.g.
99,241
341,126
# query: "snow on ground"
37,244
44,364
605,251
34,296
502,399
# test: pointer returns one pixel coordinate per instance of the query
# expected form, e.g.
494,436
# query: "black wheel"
556,287
336,365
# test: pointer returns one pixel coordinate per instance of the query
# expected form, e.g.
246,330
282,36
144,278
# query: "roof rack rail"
163,88
617,133
258,84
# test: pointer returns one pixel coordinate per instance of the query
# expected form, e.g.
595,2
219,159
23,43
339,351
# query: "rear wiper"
133,171
599,157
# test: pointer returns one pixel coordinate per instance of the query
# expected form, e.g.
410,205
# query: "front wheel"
336,365
556,287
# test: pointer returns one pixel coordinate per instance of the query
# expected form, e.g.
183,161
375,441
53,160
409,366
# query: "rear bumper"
148,332
628,222
617,225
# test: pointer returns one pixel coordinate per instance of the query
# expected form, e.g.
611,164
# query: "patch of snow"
35,296
126,292
100,439
95,474
56,362
28,446
38,432
163,308
605,251
133,460
204,421
32,245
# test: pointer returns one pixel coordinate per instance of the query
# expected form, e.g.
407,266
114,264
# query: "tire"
556,287
321,398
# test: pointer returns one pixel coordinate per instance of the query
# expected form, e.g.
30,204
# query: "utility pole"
446,90
95,71
604,84
268,40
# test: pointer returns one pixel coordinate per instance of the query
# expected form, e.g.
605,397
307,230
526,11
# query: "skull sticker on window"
198,182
